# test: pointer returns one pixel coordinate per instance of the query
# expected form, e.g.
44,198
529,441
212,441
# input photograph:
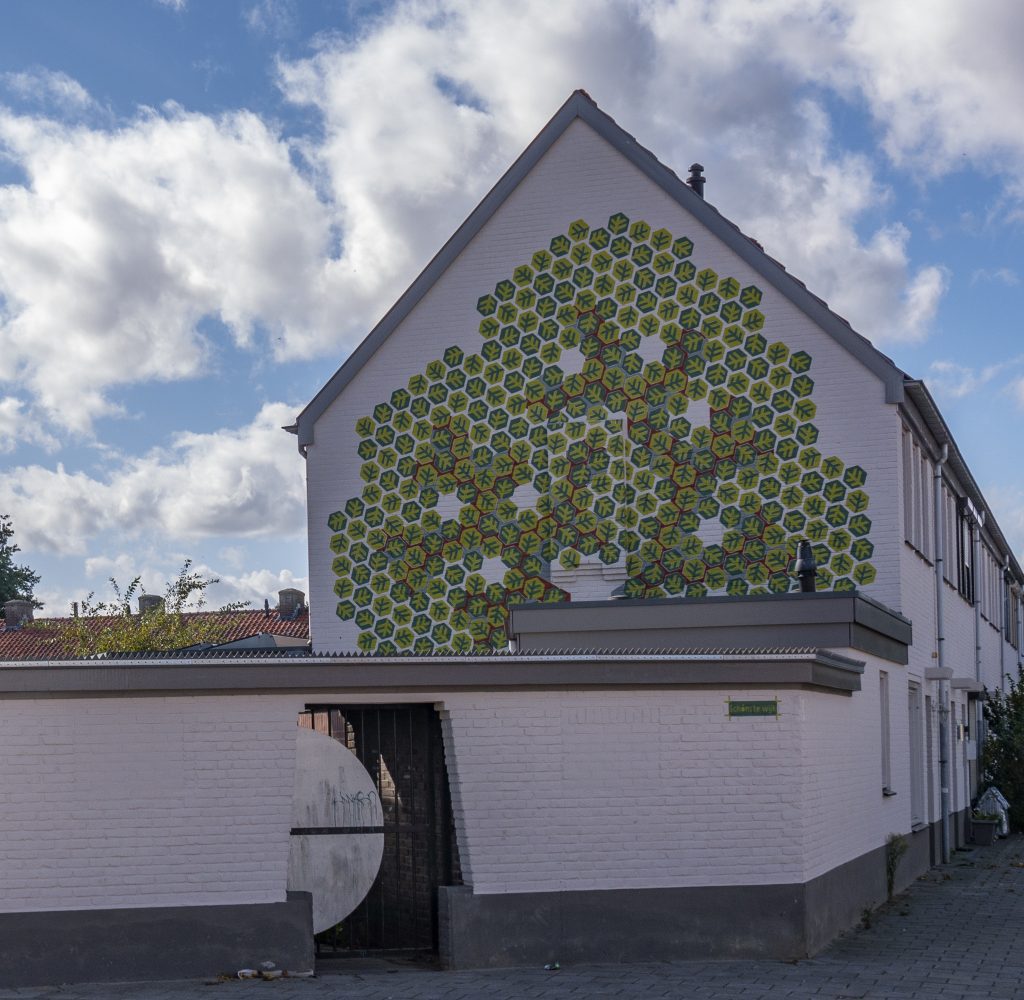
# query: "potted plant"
983,828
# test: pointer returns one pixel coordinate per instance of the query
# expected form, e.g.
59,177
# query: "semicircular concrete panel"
337,839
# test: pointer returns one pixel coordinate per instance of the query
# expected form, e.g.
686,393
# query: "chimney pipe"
806,568
290,602
17,613
696,179
150,602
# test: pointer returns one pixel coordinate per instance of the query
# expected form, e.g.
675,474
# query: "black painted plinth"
641,925
153,943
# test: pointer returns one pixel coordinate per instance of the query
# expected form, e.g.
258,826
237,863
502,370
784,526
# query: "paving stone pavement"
956,933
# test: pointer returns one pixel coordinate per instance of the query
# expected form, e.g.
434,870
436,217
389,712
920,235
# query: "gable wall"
581,177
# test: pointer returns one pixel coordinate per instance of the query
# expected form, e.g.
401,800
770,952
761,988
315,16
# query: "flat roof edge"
398,674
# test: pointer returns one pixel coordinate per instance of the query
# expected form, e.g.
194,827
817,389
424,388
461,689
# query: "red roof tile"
39,640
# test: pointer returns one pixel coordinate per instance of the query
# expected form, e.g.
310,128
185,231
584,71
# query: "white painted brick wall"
582,177
846,814
128,802
613,790
917,602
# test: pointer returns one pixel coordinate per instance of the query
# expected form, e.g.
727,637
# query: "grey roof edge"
200,656
749,251
820,668
924,403
440,262
793,597
581,105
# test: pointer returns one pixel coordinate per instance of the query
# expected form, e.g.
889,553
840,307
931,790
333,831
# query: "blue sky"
205,205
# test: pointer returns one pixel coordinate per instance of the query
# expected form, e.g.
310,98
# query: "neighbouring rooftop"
284,626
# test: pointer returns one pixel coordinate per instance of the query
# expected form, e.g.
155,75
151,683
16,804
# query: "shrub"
1002,759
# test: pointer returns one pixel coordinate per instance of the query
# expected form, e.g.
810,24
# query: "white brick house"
601,389
554,502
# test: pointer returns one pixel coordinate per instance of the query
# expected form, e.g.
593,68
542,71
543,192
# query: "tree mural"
624,406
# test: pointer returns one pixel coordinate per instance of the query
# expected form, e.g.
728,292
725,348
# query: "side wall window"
917,496
965,570
917,816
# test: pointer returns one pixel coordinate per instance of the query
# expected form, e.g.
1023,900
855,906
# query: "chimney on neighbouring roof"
17,613
290,602
150,602
696,179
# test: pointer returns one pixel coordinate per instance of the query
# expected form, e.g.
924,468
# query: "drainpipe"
1004,632
976,588
940,647
1019,598
979,715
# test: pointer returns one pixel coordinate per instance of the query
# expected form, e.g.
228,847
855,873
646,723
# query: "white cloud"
255,586
244,483
177,5
1000,275
43,86
1007,503
948,378
123,567
123,240
158,569
946,83
233,555
271,17
423,111
19,426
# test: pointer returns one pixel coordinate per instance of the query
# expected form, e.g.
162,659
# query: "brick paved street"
956,933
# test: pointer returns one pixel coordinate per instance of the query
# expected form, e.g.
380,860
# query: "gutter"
940,651
1004,633
976,582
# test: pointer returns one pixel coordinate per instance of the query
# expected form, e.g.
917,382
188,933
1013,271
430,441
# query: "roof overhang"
833,620
819,669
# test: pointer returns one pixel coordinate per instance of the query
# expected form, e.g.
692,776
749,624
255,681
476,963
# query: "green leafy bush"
1002,762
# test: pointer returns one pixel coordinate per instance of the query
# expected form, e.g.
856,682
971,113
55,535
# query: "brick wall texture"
186,801
608,790
120,802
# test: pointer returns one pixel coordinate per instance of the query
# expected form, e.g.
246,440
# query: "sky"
206,204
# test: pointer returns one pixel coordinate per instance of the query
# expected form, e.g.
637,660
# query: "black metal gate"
401,747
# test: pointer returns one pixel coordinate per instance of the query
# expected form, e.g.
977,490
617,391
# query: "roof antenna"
696,179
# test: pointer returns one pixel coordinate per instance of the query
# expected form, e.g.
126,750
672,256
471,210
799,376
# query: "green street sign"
743,709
